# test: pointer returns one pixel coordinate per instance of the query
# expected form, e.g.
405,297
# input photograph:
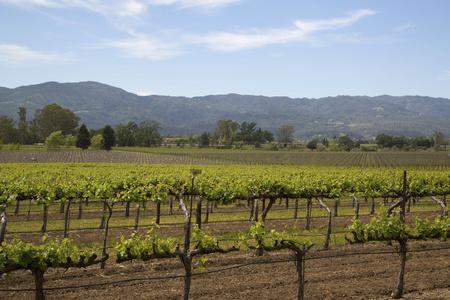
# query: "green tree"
126,134
285,133
438,139
97,142
226,131
33,134
273,147
53,118
401,142
7,131
203,140
312,144
346,143
384,140
109,138
83,140
422,141
23,125
93,132
214,140
55,140
148,134
192,140
1,144
267,136
70,141
246,132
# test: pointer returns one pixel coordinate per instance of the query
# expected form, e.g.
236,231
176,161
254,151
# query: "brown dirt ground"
348,277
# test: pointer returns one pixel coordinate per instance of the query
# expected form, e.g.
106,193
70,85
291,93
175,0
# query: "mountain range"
99,104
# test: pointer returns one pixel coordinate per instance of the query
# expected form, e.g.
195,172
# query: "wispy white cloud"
104,7
403,27
28,3
11,54
195,3
119,7
144,47
300,31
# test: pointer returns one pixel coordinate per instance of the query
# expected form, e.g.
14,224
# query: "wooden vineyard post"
193,172
206,212
2,223
185,258
109,206
16,211
404,199
170,205
80,209
308,213
61,207
372,206
29,209
158,212
300,267
251,202
198,214
38,275
136,220
295,208
44,219
328,237
398,292
127,209
356,207
102,222
336,204
256,210
67,219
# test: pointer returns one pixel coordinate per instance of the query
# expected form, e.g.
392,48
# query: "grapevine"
38,258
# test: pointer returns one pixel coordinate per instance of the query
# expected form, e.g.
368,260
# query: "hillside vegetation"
357,116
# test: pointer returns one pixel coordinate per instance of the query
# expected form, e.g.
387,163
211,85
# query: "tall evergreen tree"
203,140
109,138
83,140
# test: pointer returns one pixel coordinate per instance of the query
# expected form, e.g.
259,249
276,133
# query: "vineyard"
227,231
391,159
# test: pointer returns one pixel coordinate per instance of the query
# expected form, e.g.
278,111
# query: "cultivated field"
368,271
390,159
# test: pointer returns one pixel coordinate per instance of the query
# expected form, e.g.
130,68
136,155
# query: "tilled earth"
329,275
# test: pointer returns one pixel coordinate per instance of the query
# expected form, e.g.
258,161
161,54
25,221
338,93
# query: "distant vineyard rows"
415,160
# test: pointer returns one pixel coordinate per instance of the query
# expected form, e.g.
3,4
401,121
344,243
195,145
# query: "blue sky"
191,48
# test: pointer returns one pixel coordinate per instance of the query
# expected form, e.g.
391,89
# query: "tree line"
57,127
436,141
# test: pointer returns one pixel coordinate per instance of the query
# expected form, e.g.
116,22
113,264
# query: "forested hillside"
358,116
